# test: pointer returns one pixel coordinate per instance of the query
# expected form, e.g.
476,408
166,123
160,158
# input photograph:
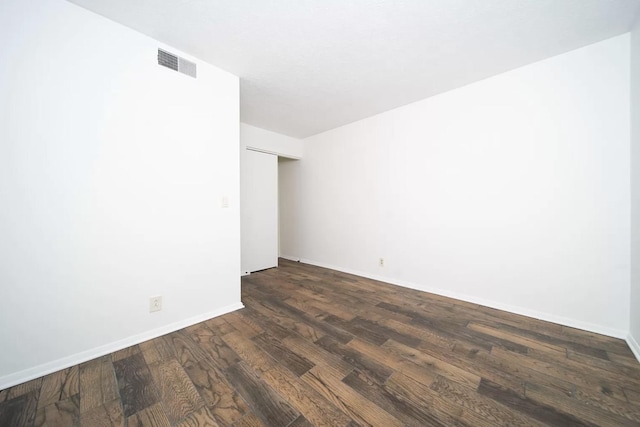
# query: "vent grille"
167,60
176,63
187,67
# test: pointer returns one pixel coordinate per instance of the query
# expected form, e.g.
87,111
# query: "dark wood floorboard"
316,347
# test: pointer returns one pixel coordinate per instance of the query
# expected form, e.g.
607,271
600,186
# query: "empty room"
319,213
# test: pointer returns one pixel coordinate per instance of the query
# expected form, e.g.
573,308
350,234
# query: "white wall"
257,139
112,170
512,192
289,208
634,338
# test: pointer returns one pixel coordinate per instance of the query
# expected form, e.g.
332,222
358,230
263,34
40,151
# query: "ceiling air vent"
176,63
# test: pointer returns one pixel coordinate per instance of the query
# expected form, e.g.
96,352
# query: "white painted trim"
84,356
633,345
276,153
547,317
293,258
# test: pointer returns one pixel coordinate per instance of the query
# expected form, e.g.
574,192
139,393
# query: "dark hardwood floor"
316,347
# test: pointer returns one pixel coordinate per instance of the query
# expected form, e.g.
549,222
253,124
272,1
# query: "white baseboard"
633,345
291,258
84,356
547,317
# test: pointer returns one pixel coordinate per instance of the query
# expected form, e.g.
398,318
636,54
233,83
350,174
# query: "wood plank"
427,336
315,408
249,352
500,365
309,300
277,296
200,331
597,394
152,416
355,330
388,358
98,385
401,409
249,420
378,315
586,366
124,353
273,313
363,411
301,421
219,325
319,356
32,386
628,360
178,394
566,343
165,350
19,411
137,390
58,386
217,349
108,414
484,407
621,373
451,331
434,364
438,328
411,311
269,406
200,418
378,371
534,409
224,403
608,404
568,405
425,302
279,351
633,396
418,395
510,336
244,325
322,325
443,308
478,338
489,366
615,346
265,322
386,332
62,413
563,373
150,352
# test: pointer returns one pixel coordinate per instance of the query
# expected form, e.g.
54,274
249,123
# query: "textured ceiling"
307,66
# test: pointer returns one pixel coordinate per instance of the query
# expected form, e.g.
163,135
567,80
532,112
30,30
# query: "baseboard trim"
547,317
84,356
633,345
291,258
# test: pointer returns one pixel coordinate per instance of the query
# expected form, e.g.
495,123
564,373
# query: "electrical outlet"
155,304
381,262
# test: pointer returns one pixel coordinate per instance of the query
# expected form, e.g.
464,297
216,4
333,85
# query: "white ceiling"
307,66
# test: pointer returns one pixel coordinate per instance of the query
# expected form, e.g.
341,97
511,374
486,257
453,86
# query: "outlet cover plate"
155,304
